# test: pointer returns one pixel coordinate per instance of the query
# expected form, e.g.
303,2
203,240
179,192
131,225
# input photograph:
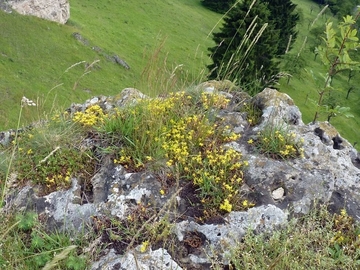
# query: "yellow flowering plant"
346,235
92,116
278,142
181,131
253,113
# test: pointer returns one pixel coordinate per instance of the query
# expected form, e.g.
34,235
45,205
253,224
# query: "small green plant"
11,157
336,53
346,239
253,113
142,226
34,247
51,154
277,142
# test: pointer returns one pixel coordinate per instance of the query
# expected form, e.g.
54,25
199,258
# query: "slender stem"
4,188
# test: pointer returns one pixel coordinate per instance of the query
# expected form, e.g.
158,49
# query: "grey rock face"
154,259
220,237
52,10
328,173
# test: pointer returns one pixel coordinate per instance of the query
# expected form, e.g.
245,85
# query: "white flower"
26,101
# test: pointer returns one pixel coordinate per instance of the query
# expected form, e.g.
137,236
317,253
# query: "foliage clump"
318,240
186,139
51,154
34,247
277,142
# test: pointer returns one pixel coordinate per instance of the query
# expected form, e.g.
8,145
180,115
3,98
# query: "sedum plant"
180,134
278,142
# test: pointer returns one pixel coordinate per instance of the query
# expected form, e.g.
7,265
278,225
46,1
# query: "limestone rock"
154,259
328,174
53,10
277,107
222,236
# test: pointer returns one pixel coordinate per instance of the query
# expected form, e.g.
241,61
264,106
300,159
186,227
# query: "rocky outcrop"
52,10
328,173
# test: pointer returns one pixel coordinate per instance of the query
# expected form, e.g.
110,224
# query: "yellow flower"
144,246
250,141
169,163
67,179
343,212
226,206
30,151
162,192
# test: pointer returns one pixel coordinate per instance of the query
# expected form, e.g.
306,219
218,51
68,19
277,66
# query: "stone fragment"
278,194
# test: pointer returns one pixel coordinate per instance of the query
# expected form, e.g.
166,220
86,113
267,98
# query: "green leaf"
27,221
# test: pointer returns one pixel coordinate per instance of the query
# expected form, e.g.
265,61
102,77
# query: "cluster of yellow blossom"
123,159
185,136
213,100
226,206
173,129
279,143
144,246
90,117
193,143
288,150
218,173
58,180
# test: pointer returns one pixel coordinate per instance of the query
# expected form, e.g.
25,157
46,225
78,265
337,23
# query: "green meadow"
161,41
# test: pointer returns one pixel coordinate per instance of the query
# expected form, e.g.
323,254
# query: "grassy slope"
302,85
35,53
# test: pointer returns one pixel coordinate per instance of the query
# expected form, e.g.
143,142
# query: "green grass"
35,53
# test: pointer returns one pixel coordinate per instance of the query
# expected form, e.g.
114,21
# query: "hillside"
35,54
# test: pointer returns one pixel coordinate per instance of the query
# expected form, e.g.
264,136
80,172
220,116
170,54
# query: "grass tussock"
318,240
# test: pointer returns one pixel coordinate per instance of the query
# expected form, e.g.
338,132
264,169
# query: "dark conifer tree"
283,15
240,55
220,6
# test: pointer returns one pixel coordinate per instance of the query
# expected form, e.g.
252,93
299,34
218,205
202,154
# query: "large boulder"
52,10
327,173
